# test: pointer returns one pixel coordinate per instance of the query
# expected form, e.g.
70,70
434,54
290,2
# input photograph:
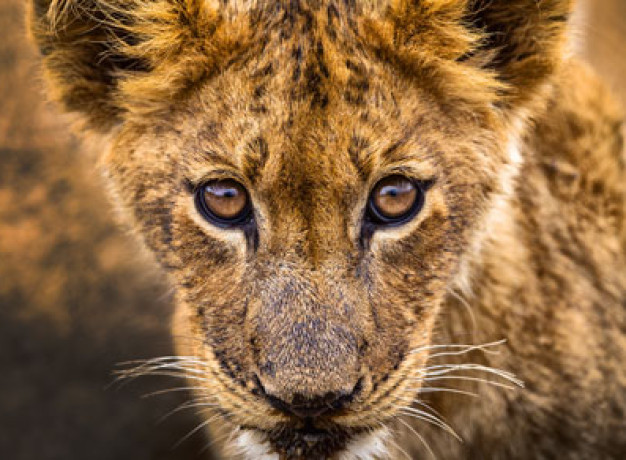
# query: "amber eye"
395,200
225,203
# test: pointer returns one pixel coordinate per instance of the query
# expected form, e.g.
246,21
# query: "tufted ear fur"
516,43
108,58
523,40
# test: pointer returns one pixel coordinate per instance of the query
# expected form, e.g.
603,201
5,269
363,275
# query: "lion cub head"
315,174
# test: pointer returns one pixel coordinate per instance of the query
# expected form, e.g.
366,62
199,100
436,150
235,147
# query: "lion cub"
373,211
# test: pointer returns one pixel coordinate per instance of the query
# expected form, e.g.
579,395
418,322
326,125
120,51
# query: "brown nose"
307,347
309,371
303,406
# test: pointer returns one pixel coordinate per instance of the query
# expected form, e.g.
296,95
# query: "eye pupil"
394,200
391,191
223,202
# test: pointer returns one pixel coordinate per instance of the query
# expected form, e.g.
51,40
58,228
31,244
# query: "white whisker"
421,403
159,359
146,367
397,446
467,307
184,406
181,375
425,416
196,429
419,436
423,390
218,438
442,369
461,349
170,390
470,379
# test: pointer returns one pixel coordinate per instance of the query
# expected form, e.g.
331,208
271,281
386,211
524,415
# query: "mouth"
310,442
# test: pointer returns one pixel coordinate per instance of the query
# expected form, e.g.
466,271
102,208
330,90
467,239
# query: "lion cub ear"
519,43
523,41
106,59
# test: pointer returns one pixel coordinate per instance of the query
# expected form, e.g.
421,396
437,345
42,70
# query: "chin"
312,444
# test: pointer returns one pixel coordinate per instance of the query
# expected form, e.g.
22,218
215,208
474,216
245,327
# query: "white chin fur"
369,446
252,445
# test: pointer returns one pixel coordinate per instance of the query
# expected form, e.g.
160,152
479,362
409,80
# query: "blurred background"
78,295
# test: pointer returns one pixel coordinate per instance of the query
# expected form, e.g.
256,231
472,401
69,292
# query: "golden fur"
309,104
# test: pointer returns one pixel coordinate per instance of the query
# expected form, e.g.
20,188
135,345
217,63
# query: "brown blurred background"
76,294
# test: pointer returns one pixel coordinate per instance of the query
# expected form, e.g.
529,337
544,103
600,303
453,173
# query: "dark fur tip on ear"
522,41
80,44
108,59
489,52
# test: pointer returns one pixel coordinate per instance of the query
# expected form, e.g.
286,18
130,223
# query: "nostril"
308,407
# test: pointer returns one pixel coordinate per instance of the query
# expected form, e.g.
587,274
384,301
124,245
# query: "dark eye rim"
376,217
240,220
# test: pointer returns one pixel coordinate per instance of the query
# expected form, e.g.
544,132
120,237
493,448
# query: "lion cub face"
313,217
314,186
